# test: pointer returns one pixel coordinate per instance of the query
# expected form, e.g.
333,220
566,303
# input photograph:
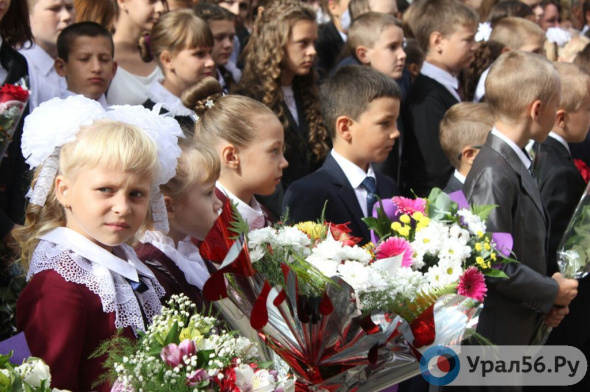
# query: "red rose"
11,92
583,169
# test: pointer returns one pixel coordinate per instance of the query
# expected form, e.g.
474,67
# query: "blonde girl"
134,77
249,140
192,209
181,43
278,72
93,184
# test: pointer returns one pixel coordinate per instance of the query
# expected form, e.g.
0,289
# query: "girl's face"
194,212
143,13
105,206
189,65
48,18
223,33
262,162
299,50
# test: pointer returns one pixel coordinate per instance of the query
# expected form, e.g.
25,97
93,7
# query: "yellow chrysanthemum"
417,216
478,247
487,246
312,229
405,219
480,234
396,226
493,256
481,262
425,221
404,231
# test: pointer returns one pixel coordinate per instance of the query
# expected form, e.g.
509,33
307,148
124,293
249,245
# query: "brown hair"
175,31
223,117
103,12
464,124
443,16
262,71
15,28
517,79
211,11
512,32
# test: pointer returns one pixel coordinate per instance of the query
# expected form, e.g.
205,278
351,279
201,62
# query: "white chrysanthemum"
294,238
355,274
451,271
455,249
328,267
473,222
261,237
354,253
430,239
327,249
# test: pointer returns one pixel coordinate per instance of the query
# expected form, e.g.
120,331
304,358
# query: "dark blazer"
14,181
305,198
424,164
512,307
453,185
328,45
169,275
581,150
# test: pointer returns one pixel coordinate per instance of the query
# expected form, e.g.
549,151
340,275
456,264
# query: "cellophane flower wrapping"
184,350
303,288
13,99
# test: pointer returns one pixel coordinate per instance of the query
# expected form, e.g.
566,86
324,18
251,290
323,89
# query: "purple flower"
196,377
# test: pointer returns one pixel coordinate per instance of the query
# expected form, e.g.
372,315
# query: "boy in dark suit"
360,107
561,187
463,130
515,307
445,30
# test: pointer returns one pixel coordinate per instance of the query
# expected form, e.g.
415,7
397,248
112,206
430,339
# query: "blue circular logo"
439,365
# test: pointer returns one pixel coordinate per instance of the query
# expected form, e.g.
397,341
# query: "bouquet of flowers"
13,99
32,376
185,351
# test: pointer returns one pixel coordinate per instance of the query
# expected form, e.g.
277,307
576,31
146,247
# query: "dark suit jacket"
328,45
561,188
424,164
14,181
512,306
581,150
305,198
453,185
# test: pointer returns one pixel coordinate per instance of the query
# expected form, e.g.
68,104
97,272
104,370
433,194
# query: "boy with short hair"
463,131
363,130
48,18
511,33
524,105
85,53
445,30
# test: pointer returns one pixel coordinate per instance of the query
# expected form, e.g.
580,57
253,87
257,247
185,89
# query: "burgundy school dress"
62,308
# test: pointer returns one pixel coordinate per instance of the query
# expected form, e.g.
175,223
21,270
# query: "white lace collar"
80,261
186,256
169,101
252,213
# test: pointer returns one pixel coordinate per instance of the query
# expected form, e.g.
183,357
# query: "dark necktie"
370,184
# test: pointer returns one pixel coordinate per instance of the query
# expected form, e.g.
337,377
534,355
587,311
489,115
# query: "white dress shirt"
526,160
252,213
448,80
355,176
45,83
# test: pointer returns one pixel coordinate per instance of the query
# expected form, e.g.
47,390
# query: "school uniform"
171,104
44,81
179,269
329,44
513,307
255,214
455,183
14,181
346,199
77,297
424,164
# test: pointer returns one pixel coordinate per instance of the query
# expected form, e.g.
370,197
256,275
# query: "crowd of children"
278,108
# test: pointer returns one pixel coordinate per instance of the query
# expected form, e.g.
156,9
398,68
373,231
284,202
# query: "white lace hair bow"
558,36
58,121
484,30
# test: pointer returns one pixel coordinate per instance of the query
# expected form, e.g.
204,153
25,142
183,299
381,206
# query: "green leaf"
495,273
439,204
173,335
483,211
203,357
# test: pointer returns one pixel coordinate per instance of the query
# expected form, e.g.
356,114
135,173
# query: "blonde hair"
464,124
443,16
198,164
568,52
513,32
517,79
230,118
261,78
175,31
106,144
367,29
575,85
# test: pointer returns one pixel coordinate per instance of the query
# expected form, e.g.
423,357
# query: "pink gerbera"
472,284
395,246
409,206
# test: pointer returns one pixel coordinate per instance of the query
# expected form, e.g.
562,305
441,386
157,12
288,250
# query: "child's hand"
555,315
568,289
